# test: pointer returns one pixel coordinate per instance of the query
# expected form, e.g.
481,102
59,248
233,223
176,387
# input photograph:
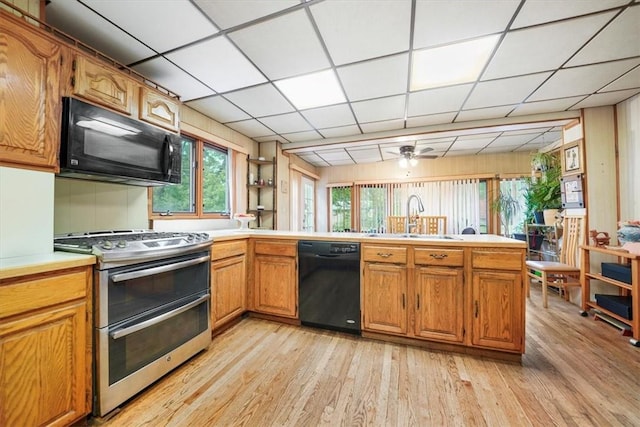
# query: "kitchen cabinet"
275,287
439,305
158,109
228,281
30,112
384,289
498,299
45,348
261,191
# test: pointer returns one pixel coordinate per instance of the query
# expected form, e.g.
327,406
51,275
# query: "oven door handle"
119,333
157,270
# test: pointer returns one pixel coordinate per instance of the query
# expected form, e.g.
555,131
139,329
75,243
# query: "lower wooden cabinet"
45,348
228,281
384,297
275,282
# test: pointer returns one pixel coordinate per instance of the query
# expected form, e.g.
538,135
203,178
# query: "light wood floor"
575,372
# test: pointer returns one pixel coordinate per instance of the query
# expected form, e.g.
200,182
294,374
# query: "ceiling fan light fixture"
403,162
413,161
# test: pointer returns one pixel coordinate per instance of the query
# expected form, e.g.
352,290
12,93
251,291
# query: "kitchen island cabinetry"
498,299
275,287
31,96
384,289
228,281
439,305
45,347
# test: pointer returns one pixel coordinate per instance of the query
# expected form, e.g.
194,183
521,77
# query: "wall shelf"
261,191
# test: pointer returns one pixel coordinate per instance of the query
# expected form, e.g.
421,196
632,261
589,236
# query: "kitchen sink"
412,236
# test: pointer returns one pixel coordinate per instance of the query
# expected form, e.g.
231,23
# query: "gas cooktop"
133,245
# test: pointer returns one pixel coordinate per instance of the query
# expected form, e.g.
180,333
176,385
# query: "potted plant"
544,191
507,207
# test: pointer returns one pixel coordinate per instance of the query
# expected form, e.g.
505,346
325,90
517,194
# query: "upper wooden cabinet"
30,64
98,83
159,110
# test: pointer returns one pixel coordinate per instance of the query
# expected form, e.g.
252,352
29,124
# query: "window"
373,208
341,208
211,182
308,204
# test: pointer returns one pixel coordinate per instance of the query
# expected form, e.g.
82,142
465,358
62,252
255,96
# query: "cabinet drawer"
391,254
497,260
227,249
266,247
43,292
444,257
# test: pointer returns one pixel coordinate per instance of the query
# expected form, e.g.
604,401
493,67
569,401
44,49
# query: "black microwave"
101,145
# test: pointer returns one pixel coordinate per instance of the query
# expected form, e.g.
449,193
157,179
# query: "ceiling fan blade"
426,156
424,151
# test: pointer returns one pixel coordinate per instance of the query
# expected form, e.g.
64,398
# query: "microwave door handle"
168,160
119,333
157,270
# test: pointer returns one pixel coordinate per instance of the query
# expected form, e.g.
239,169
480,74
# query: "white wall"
26,212
628,115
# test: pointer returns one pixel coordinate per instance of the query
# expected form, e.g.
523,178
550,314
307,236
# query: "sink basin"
412,236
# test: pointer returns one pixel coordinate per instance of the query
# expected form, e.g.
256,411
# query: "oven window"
134,296
132,352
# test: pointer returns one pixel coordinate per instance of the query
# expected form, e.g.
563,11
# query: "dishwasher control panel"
344,248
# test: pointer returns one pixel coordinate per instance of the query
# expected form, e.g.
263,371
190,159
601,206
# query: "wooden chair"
432,225
566,271
395,224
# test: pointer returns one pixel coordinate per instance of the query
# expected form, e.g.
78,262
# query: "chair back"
431,225
573,235
395,224
469,230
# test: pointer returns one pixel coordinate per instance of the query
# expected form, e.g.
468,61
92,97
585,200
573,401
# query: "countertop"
33,264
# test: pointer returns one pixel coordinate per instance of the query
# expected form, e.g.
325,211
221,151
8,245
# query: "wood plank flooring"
575,372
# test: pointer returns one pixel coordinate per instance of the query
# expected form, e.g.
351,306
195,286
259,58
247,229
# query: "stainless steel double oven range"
151,306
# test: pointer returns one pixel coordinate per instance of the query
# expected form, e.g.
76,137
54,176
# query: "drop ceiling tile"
271,47
513,90
484,113
203,61
440,100
376,78
607,98
80,22
228,14
263,100
455,153
151,21
509,140
251,128
540,11
379,109
286,123
628,81
365,155
441,22
219,109
547,47
342,162
471,144
499,149
582,80
328,117
340,131
382,126
302,136
173,78
312,158
619,39
357,30
549,106
428,120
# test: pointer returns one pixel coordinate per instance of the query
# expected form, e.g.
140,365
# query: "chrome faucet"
420,209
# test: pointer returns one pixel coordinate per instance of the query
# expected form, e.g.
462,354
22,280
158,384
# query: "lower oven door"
134,353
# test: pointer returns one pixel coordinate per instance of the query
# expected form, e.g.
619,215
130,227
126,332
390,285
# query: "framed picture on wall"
572,195
572,162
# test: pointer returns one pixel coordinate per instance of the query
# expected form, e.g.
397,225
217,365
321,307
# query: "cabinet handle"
384,254
403,302
418,301
476,309
439,256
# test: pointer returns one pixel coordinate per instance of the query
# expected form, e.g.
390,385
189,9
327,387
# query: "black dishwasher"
329,285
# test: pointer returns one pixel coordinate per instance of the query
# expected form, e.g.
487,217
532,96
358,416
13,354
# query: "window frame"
198,182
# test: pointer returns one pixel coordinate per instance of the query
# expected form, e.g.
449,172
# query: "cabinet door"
498,310
30,106
439,306
276,290
385,298
228,289
43,367
103,85
159,110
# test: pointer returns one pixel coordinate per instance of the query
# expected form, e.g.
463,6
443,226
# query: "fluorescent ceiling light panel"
312,90
450,64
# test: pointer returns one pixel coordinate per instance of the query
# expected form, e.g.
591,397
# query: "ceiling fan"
408,155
